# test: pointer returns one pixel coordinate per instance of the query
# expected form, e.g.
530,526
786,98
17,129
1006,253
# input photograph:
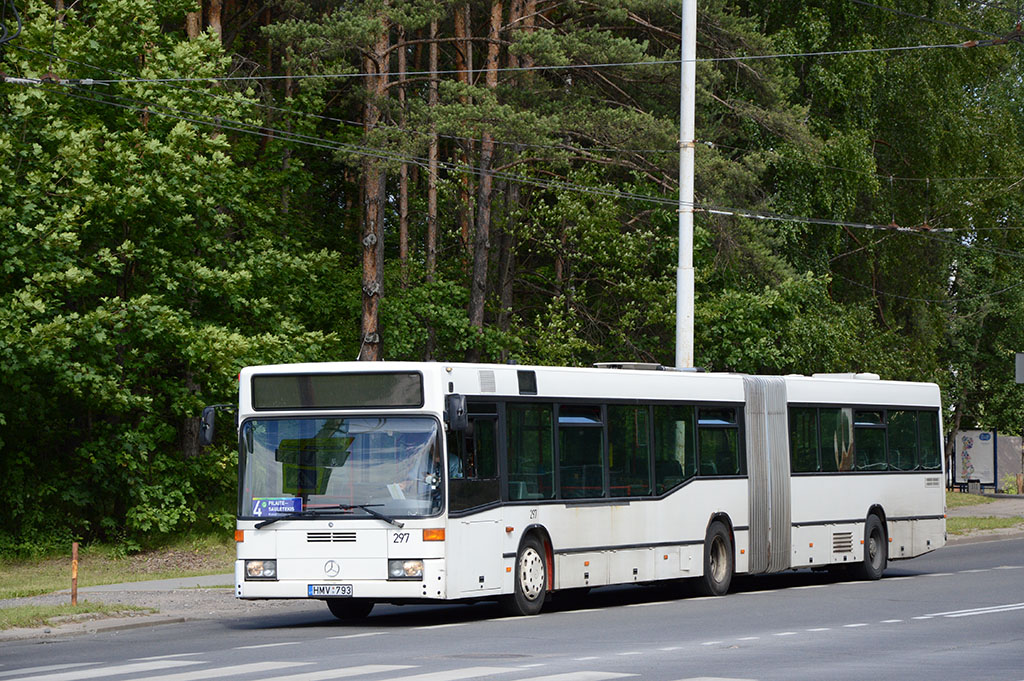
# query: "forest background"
186,190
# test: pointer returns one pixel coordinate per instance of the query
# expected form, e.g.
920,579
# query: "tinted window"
903,440
836,428
869,444
930,457
580,452
472,464
803,439
629,451
675,452
530,446
719,452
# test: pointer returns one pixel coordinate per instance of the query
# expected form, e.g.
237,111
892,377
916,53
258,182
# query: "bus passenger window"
629,451
580,451
472,473
930,455
903,440
803,439
869,440
531,472
718,442
836,439
675,453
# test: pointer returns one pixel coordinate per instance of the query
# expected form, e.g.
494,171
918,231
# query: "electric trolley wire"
219,123
520,69
259,130
333,119
927,19
5,36
527,145
856,171
287,136
959,300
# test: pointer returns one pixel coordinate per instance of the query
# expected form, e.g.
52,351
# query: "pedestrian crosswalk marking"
233,670
456,674
151,671
116,670
45,668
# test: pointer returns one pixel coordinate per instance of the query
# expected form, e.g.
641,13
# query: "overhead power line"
5,35
564,67
524,145
927,19
545,183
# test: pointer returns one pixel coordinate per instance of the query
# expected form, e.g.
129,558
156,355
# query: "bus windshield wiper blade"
376,514
317,512
308,513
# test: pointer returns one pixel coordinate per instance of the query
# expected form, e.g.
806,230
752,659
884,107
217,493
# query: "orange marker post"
74,573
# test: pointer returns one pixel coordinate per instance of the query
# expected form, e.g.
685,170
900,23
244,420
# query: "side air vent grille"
330,537
842,542
487,382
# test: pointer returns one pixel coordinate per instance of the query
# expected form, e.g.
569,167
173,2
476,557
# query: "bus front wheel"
531,584
718,561
349,608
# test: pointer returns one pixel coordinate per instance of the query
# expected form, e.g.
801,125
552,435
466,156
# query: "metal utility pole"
684,270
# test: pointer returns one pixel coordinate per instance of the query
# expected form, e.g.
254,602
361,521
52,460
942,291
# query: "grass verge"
28,616
958,499
961,526
185,557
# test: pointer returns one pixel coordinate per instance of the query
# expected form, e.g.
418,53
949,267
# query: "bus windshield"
293,465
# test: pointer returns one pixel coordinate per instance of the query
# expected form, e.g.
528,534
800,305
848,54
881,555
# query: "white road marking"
268,645
113,671
979,611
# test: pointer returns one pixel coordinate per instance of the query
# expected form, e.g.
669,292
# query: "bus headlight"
405,569
261,569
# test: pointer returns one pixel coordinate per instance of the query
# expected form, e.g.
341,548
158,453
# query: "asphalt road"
955,614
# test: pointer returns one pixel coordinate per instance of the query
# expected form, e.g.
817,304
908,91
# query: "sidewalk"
175,600
1004,506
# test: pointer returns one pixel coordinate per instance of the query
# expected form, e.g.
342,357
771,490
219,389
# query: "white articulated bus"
400,482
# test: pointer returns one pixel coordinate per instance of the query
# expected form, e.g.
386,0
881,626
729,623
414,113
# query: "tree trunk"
464,68
376,66
194,23
213,18
403,171
432,159
286,153
481,242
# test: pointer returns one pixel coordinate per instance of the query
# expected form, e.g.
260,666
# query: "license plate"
330,590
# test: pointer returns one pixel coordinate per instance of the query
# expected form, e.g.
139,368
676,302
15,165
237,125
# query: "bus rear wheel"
718,561
531,579
876,551
349,608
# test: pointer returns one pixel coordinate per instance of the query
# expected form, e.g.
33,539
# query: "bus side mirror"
455,413
206,426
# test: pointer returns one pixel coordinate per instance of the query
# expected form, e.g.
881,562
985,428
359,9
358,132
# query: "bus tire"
876,551
531,579
718,561
349,608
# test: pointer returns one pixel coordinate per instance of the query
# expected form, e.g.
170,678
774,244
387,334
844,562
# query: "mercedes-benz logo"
331,568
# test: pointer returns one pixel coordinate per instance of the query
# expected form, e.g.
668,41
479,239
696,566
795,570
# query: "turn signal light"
239,535
433,534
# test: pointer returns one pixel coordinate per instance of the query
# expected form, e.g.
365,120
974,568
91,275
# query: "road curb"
90,627
984,536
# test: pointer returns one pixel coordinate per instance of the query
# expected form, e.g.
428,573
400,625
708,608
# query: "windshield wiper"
370,511
317,512
308,513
